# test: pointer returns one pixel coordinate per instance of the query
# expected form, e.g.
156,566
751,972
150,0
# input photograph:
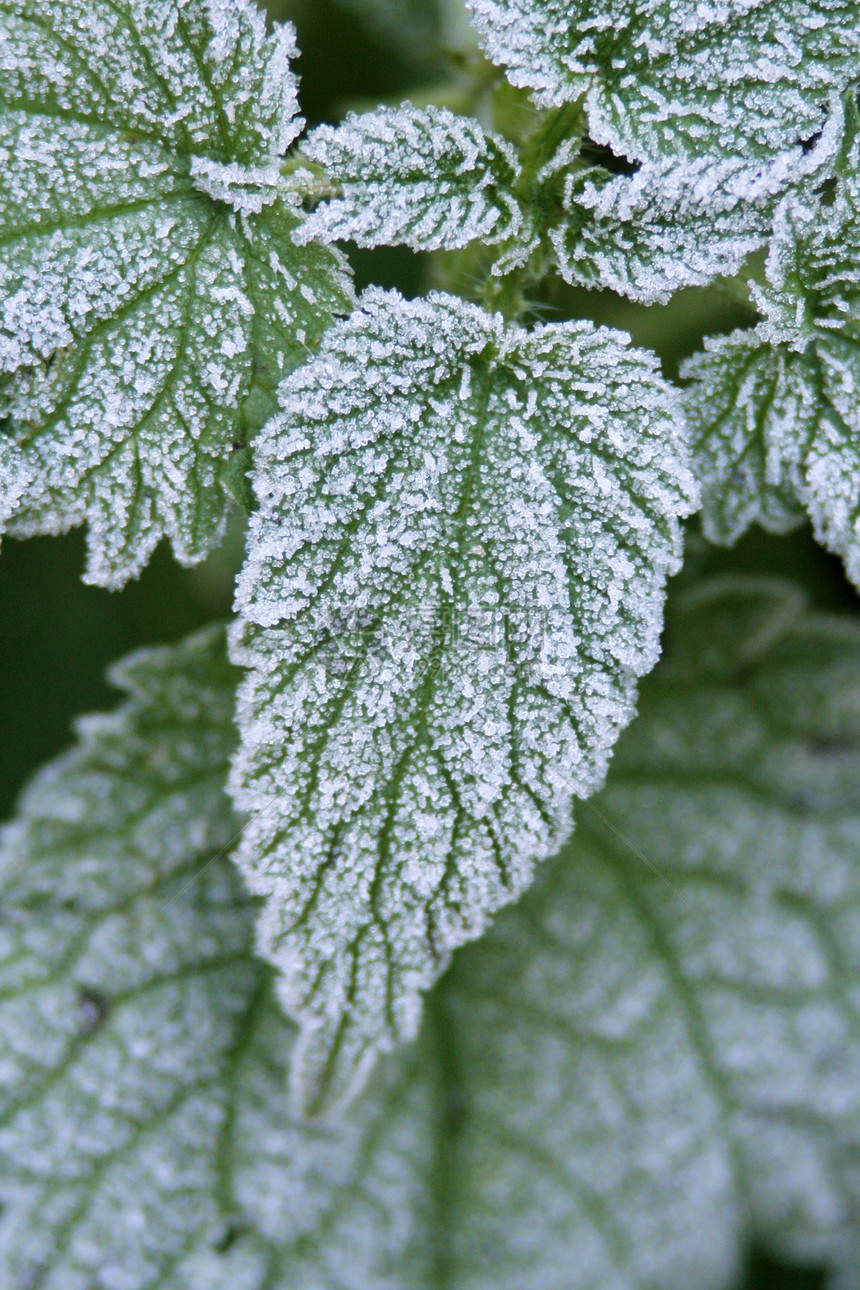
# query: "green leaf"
674,225
774,411
649,1062
419,176
685,79
126,983
454,579
152,294
429,179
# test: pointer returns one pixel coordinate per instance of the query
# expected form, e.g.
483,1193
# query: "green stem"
506,295
307,179
553,129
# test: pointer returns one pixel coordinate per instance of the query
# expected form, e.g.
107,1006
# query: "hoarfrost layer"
774,411
454,578
126,981
677,223
420,176
429,179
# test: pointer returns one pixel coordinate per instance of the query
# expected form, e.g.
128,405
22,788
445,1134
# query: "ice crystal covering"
736,78
775,411
454,578
151,295
649,1061
670,226
421,176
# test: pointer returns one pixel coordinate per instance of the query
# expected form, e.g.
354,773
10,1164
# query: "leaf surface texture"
686,79
419,176
774,410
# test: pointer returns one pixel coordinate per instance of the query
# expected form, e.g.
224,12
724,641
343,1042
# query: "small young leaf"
774,411
151,294
677,223
420,176
650,1061
747,404
454,579
736,79
430,179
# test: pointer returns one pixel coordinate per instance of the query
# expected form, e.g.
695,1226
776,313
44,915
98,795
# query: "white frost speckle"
774,410
677,222
246,189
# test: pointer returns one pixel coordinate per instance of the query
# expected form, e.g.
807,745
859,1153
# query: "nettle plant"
463,515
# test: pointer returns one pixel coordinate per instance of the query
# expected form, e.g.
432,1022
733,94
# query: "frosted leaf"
747,78
454,578
677,224
13,471
775,411
126,981
420,176
151,293
632,1075
746,404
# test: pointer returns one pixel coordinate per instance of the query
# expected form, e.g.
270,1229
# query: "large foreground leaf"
454,579
650,1061
774,411
735,79
151,296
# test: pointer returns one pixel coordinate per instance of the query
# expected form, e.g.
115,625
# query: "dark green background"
57,635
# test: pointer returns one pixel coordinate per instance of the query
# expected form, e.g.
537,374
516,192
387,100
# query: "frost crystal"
454,578
421,176
775,411
151,294
735,78
644,1065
